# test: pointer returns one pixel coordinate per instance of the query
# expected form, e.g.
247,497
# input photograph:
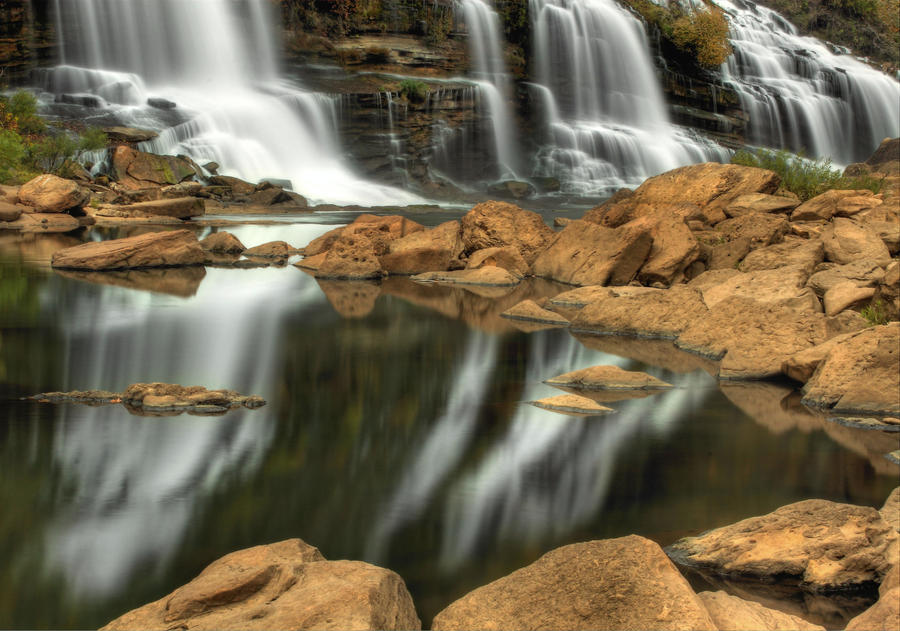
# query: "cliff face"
27,39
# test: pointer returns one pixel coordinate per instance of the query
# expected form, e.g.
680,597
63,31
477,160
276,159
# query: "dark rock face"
27,38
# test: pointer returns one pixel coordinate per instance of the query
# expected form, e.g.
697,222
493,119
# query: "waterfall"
217,61
800,95
486,51
604,111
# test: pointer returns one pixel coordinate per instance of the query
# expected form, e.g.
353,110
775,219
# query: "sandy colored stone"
822,544
584,253
572,404
760,203
431,250
655,315
323,243
823,207
884,615
803,365
853,205
489,276
887,293
51,194
506,257
723,254
730,613
712,278
120,133
154,249
673,249
860,374
886,158
530,311
806,253
351,257
222,242
846,241
846,295
608,378
270,250
861,273
625,583
497,224
177,207
382,231
891,513
784,287
285,585
761,229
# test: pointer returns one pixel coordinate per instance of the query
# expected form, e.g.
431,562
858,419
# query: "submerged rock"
287,585
730,613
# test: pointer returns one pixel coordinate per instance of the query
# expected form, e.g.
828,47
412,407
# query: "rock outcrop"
155,249
499,224
572,404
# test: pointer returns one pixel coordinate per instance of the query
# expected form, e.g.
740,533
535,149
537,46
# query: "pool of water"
397,431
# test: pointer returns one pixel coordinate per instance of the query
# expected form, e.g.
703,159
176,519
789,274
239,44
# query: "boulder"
823,545
625,583
861,273
860,374
182,189
846,241
437,249
785,287
530,311
9,194
806,253
270,250
285,585
179,208
724,254
730,613
323,243
489,276
506,257
656,315
50,194
760,228
887,293
135,169
887,231
802,366
499,224
846,295
884,615
222,243
673,249
351,257
886,158
589,254
382,231
825,206
572,404
154,249
9,212
239,188
760,203
582,296
607,378
891,513
119,133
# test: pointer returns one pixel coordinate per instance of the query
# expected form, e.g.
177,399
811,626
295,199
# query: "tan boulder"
154,249
806,253
884,615
760,203
285,585
730,613
9,212
607,378
825,206
120,133
862,273
270,250
673,249
572,404
9,194
239,188
498,224
178,207
722,254
802,366
431,250
351,257
625,583
712,278
506,257
589,254
51,194
891,513
860,374
582,296
656,315
824,545
887,231
323,243
846,241
382,231
222,243
887,293
488,276
530,311
761,229
846,295
135,169
785,287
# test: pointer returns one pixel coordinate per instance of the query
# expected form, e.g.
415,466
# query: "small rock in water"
160,103
608,378
572,404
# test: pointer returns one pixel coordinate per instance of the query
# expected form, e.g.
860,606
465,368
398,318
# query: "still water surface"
395,432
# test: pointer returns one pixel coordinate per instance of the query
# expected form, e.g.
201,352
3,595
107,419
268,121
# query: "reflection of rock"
660,353
572,404
868,443
624,583
351,298
177,281
489,276
35,248
884,614
823,545
730,613
285,585
773,406
530,311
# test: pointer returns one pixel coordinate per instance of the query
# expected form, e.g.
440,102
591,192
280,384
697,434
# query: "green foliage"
23,106
705,34
413,90
875,313
801,176
12,151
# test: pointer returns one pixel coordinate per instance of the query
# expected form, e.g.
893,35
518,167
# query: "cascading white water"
216,59
799,95
494,84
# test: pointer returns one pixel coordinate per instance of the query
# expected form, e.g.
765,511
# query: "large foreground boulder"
498,224
625,583
285,585
823,545
51,194
154,249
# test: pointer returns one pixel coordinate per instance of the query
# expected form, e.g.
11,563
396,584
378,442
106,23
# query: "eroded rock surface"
498,224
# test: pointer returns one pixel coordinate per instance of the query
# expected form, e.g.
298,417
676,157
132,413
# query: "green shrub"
12,151
875,313
413,90
23,106
53,152
705,34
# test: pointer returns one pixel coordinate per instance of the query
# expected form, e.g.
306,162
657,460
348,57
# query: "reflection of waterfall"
132,483
799,95
550,473
603,107
216,60
443,447
494,86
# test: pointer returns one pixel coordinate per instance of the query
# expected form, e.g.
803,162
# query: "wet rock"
9,212
161,103
823,207
761,229
129,134
846,295
760,203
823,545
222,243
572,404
135,169
861,273
270,250
489,276
530,311
655,315
179,208
806,253
846,242
512,189
625,583
730,613
273,196
155,249
285,585
87,397
860,374
785,287
50,194
499,224
44,222
507,257
589,254
170,396
607,378
351,257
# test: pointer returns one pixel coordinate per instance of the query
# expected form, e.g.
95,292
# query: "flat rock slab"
730,613
655,315
608,378
530,311
155,249
489,276
178,208
287,585
823,545
572,404
625,583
